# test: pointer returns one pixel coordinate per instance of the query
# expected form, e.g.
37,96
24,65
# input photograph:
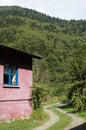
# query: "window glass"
13,79
13,68
6,73
6,78
6,68
13,74
10,74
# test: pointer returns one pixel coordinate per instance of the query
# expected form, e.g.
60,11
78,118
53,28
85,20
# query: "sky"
63,9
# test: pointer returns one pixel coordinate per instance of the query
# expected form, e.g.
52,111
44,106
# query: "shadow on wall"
80,127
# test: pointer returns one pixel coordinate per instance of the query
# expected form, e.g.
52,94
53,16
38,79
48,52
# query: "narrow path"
53,119
76,121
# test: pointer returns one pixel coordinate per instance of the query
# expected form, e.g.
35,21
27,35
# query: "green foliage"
53,100
77,95
77,89
79,99
41,94
37,97
39,115
55,39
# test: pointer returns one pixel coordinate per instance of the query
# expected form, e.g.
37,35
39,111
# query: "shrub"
77,96
37,97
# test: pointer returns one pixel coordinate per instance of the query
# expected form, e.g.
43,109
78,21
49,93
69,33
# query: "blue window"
10,75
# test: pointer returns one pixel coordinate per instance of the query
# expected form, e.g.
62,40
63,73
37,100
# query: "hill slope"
55,39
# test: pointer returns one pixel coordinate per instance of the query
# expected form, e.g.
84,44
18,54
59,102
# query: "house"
15,83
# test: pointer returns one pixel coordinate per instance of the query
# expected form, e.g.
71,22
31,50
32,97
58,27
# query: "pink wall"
16,102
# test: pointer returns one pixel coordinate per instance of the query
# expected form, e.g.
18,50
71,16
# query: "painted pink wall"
16,102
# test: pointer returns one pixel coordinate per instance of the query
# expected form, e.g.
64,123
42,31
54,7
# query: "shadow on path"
77,123
80,127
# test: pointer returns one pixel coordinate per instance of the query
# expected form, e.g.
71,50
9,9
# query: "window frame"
9,84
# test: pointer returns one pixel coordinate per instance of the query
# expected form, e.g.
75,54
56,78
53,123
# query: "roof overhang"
8,50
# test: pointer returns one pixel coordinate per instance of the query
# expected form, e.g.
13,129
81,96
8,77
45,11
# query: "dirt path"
76,120
76,123
53,119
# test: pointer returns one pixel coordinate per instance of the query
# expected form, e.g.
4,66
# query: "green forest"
61,43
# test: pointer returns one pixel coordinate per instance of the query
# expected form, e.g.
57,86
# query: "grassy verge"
81,114
62,123
71,109
36,119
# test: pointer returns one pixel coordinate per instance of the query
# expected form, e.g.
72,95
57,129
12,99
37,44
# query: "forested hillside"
57,41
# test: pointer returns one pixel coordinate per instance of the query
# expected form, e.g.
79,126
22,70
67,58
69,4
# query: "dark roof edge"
29,54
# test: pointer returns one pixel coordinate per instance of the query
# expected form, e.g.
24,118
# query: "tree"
77,89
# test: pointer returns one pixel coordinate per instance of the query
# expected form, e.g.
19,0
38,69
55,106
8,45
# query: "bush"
38,114
37,97
77,96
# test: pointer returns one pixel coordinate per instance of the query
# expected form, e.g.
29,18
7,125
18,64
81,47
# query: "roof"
9,50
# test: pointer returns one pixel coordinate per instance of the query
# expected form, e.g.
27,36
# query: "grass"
54,100
36,119
82,114
27,124
40,117
71,109
62,123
